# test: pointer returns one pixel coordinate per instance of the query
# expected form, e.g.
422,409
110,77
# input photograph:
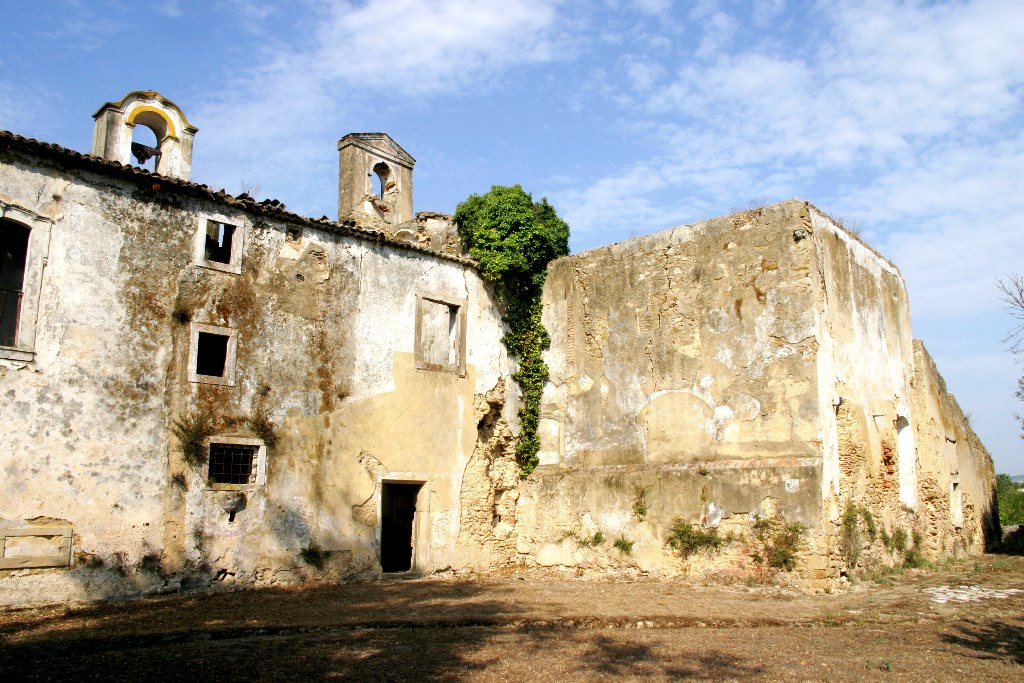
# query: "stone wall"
956,477
865,371
683,378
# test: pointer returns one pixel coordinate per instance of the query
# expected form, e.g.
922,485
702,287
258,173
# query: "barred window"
232,463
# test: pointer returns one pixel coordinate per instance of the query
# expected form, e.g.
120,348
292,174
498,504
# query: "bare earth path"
542,627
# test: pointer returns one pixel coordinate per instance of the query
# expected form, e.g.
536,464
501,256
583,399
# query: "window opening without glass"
13,251
219,237
211,354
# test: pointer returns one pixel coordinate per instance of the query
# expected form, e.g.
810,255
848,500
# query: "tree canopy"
510,235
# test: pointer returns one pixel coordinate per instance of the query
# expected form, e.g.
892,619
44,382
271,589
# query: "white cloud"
318,82
906,116
719,29
764,11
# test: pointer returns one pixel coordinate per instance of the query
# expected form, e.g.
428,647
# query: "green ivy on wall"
513,238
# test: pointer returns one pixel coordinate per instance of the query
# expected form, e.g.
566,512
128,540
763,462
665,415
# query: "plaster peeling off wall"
323,363
866,362
693,344
691,350
956,475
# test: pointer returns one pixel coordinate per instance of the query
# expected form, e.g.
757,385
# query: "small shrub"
780,542
180,314
192,431
588,542
869,523
913,558
150,562
686,538
850,535
899,539
314,556
623,545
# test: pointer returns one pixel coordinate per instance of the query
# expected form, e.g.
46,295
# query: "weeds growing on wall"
869,523
640,507
262,426
780,542
192,431
686,538
849,538
513,238
623,545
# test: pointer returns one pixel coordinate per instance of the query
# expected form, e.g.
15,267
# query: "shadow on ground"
371,631
1003,640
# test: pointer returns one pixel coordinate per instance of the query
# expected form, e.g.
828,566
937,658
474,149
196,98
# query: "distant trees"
1010,499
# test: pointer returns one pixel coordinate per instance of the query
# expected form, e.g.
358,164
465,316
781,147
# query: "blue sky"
902,119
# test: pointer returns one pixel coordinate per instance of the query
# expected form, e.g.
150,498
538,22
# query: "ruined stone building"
202,389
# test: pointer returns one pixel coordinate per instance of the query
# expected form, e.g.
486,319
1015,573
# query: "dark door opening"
398,509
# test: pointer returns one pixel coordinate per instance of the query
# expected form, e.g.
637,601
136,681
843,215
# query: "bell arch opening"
382,173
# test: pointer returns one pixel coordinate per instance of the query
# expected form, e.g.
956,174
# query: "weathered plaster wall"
683,365
325,327
956,477
84,438
864,375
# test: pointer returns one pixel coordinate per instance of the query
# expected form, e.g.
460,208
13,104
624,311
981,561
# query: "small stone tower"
115,125
374,179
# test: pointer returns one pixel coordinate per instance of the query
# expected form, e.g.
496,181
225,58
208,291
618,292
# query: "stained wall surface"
324,320
956,477
683,375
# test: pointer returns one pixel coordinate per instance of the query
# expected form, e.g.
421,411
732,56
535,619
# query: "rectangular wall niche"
440,334
26,547
212,352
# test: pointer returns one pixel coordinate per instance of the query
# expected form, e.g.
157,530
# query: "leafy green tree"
513,238
1010,500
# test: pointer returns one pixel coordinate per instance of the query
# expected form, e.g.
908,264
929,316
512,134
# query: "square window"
219,237
440,334
233,463
211,354
218,245
211,357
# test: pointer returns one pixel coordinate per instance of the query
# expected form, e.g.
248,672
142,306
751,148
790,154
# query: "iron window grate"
232,464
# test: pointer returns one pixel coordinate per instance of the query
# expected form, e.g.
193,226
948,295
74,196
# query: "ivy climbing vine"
513,238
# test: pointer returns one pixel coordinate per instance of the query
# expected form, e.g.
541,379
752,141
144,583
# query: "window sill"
212,486
211,379
235,269
11,353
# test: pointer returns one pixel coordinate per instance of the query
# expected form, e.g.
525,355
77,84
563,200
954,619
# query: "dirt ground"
543,627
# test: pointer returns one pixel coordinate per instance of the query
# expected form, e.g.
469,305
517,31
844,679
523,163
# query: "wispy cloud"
391,49
905,115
